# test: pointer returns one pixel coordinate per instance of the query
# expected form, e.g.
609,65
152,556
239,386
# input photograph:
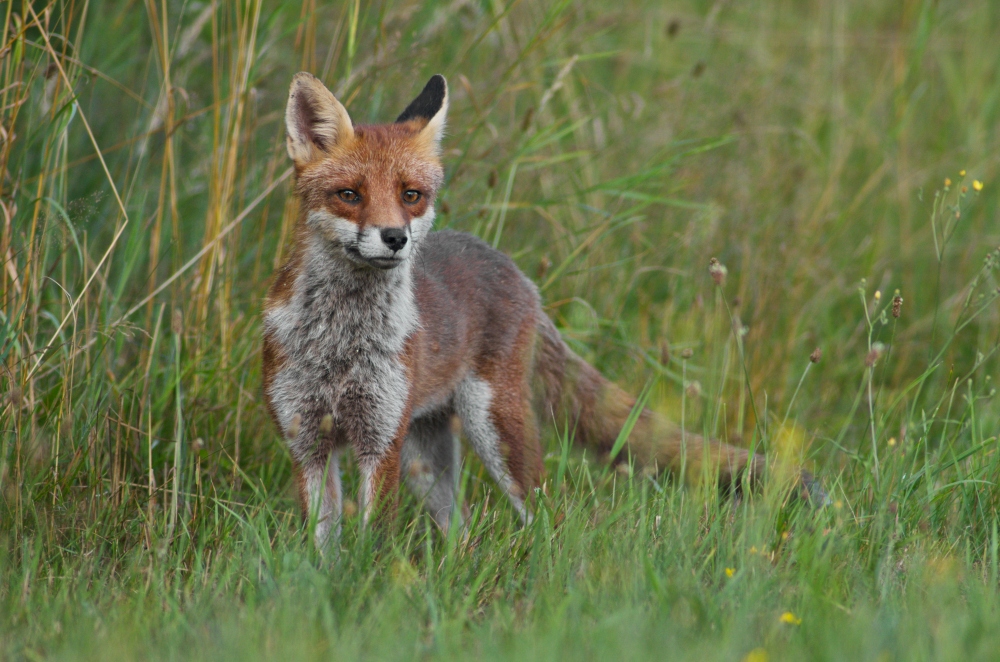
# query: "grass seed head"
293,427
526,121
694,389
816,355
543,266
874,354
897,305
687,353
417,468
718,271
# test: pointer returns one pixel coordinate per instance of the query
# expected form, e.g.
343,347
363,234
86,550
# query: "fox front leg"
322,498
380,471
316,467
375,411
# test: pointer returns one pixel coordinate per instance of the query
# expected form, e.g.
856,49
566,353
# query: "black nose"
394,238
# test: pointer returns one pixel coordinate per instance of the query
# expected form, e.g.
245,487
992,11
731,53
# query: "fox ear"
429,110
314,119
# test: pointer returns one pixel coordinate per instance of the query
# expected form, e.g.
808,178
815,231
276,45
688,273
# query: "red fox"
378,332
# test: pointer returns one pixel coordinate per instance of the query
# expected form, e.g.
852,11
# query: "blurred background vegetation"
828,154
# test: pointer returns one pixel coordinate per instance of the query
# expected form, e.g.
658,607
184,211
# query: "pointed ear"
429,110
314,119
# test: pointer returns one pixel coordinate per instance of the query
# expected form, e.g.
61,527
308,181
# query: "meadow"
839,158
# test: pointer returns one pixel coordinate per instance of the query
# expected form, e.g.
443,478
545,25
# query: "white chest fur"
341,335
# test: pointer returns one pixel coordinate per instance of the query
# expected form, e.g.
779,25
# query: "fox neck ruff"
342,333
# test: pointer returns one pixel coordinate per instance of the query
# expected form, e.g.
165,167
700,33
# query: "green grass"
146,507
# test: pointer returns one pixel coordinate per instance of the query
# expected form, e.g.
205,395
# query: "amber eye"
348,195
411,196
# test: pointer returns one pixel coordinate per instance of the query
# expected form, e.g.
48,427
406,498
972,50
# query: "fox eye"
348,195
411,196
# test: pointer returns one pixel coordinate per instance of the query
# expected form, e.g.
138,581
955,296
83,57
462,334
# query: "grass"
612,149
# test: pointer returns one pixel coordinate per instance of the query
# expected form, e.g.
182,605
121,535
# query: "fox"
379,333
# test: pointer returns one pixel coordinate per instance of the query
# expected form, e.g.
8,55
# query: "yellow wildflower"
790,618
947,182
756,655
961,173
977,185
730,572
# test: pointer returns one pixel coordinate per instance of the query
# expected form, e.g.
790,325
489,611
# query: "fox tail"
571,390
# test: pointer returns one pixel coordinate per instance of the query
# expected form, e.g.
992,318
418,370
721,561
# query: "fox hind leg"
500,426
431,462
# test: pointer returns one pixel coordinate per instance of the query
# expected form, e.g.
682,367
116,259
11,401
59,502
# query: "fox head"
368,191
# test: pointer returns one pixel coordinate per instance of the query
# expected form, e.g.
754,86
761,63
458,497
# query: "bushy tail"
572,391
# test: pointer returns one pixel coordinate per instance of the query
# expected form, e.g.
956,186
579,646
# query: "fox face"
368,191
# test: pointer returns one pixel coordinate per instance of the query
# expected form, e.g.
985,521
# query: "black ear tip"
437,83
428,102
435,90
